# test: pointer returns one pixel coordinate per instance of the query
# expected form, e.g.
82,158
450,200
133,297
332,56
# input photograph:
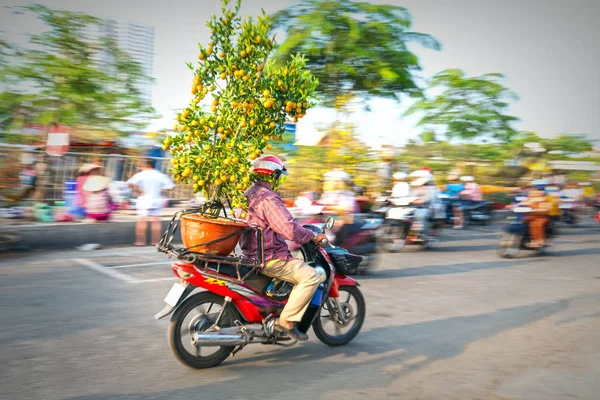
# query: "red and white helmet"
268,165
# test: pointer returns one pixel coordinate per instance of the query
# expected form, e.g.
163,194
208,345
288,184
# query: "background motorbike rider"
267,211
472,192
425,193
573,191
338,197
575,194
539,217
552,193
401,187
454,189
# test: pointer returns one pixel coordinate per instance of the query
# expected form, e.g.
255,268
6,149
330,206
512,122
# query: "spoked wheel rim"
199,319
333,327
509,245
394,239
432,242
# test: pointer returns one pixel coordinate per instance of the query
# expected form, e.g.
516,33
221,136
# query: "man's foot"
537,244
138,244
292,332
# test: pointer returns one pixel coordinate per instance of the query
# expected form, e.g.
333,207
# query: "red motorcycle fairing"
338,279
253,307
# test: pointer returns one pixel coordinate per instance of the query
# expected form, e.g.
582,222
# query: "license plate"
174,294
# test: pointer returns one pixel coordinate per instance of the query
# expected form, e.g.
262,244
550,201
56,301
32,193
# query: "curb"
62,236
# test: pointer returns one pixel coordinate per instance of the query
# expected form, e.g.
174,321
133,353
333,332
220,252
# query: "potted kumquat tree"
240,102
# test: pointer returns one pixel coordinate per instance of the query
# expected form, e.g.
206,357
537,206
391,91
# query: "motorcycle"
359,238
568,208
240,305
516,236
399,228
474,212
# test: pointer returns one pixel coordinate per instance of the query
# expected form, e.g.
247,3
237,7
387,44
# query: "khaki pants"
305,280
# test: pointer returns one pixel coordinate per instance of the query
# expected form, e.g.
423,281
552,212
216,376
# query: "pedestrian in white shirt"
150,183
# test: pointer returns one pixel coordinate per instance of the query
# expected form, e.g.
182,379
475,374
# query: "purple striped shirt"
267,211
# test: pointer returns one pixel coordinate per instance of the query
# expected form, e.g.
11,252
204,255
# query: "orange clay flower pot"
196,229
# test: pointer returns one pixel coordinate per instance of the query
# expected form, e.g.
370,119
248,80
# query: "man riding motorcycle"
401,187
425,193
552,193
337,197
267,211
454,189
472,192
539,217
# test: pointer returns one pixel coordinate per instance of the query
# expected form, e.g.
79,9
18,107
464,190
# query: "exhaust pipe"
218,339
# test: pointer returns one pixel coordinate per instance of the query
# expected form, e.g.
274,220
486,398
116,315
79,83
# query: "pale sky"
547,49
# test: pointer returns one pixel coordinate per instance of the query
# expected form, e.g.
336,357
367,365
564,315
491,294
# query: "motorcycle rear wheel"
393,239
356,312
204,302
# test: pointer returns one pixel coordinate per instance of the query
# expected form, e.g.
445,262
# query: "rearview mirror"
330,222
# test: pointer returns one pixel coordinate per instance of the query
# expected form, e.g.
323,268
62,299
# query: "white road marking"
103,270
140,265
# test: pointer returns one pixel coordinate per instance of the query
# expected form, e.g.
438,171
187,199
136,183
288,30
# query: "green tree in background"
569,143
61,78
353,47
466,108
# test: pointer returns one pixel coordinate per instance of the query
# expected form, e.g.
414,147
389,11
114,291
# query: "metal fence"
59,170
121,167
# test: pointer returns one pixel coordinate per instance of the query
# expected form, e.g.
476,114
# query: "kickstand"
237,349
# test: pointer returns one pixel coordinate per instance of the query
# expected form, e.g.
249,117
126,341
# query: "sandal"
292,333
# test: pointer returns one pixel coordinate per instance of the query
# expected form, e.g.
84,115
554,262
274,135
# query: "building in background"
137,40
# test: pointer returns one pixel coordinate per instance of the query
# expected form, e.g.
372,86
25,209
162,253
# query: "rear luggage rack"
211,264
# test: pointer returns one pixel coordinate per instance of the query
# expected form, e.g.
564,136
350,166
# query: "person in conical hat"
98,203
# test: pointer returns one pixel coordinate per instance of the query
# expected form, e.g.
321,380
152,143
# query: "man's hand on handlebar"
320,238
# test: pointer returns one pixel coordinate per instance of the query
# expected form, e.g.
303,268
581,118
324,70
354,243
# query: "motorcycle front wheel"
335,331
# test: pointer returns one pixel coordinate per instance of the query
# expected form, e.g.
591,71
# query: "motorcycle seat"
229,270
476,204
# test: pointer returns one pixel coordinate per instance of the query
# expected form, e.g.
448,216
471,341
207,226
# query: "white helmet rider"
399,176
421,177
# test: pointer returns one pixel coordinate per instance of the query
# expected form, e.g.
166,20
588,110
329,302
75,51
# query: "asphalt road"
457,322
